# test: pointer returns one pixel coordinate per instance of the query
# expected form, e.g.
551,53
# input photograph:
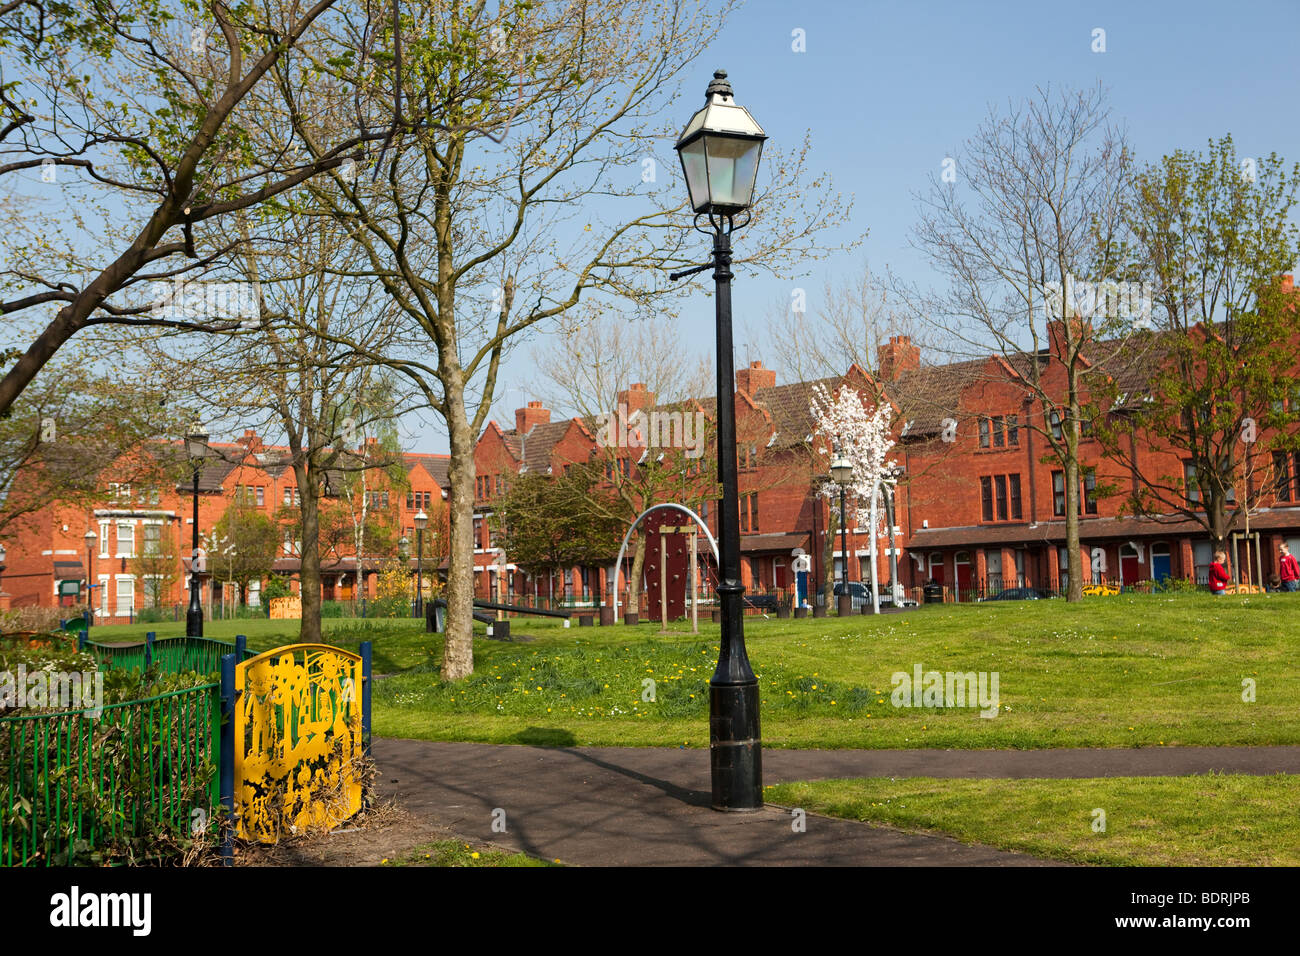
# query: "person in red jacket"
1288,569
1218,574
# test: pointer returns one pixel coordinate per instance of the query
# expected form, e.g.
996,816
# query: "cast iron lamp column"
842,472
421,519
90,537
196,444
719,150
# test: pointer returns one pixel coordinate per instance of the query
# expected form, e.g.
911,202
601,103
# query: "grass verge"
1203,820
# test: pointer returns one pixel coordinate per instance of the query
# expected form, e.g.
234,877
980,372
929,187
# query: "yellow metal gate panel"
297,736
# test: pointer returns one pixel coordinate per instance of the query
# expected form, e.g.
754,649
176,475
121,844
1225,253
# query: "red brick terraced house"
54,552
977,509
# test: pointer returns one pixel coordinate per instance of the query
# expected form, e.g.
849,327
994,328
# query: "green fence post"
228,759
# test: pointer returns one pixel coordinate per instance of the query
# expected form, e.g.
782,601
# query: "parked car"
860,592
1019,594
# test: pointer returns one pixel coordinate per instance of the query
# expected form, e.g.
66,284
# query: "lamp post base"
735,748
194,623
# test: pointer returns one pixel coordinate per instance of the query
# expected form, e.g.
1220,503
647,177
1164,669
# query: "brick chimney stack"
251,441
637,398
750,380
534,414
897,356
1288,284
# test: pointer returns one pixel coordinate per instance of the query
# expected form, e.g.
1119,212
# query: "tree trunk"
458,649
309,558
828,555
634,579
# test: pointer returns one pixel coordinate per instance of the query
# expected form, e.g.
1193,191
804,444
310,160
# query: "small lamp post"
3,555
196,447
720,150
842,473
89,537
421,519
404,553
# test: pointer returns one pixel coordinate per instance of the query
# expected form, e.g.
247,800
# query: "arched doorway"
961,564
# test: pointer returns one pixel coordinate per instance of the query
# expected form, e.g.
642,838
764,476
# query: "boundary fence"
70,781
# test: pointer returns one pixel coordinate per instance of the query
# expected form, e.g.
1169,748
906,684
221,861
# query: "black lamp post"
196,446
3,555
421,519
89,537
720,150
842,473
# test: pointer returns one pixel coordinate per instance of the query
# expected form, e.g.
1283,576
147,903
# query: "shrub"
148,799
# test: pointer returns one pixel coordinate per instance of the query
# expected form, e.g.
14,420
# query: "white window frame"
103,596
117,594
130,552
103,539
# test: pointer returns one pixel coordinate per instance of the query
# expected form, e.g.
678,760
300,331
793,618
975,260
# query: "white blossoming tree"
863,437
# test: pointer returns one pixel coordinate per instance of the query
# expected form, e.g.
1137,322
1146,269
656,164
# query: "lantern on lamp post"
719,151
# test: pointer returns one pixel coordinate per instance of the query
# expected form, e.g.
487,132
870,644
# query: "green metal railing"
172,655
70,783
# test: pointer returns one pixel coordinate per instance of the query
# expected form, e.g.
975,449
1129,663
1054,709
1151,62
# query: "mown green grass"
455,853
397,643
1132,670
1211,820
1125,671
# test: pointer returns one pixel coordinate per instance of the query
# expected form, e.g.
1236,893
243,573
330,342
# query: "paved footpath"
650,806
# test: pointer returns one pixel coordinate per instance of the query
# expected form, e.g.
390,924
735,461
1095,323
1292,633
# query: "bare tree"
545,180
1036,205
856,317
147,119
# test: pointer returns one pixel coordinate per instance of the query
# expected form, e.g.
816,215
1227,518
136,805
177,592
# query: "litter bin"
934,594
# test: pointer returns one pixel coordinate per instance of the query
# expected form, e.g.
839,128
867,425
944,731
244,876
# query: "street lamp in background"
421,519
890,482
90,537
720,150
404,552
3,555
196,447
842,473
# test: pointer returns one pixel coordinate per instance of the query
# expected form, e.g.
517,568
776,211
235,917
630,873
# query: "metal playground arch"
618,562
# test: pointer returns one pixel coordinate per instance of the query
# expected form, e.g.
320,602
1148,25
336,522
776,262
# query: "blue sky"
888,90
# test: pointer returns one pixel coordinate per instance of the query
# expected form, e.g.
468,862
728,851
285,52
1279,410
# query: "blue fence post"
81,640
87,615
241,646
366,672
227,778
148,649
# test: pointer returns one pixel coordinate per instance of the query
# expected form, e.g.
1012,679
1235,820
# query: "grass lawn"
1211,820
397,643
455,853
1131,670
